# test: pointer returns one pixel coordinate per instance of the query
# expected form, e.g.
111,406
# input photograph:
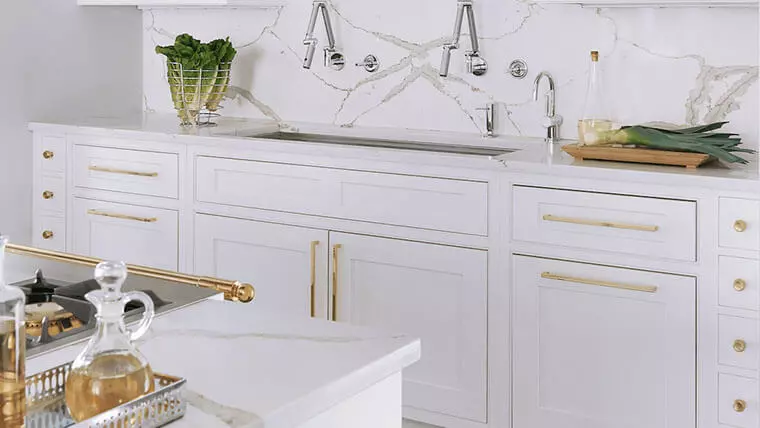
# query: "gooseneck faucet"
552,120
475,64
332,57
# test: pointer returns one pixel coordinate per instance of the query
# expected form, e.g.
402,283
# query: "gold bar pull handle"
122,171
642,288
313,283
600,223
336,247
122,216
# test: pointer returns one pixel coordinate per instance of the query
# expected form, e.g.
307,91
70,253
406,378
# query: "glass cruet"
12,350
110,371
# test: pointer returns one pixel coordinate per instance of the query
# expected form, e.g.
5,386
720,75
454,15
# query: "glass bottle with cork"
596,121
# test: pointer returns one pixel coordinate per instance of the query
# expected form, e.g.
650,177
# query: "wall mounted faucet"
552,121
475,64
333,58
490,109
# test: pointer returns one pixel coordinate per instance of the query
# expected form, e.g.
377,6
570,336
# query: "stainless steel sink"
390,144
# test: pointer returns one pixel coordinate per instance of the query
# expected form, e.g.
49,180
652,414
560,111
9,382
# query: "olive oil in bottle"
596,122
12,351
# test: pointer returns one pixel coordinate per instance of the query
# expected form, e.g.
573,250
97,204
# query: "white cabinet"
602,347
286,264
140,235
434,292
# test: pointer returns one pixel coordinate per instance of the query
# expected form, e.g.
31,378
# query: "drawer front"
739,282
618,223
51,154
738,401
49,232
129,171
739,223
51,194
423,202
135,234
738,342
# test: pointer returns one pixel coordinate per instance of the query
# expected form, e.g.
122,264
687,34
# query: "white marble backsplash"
680,65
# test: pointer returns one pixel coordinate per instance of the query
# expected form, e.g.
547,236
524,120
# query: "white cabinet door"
131,233
434,292
287,265
590,355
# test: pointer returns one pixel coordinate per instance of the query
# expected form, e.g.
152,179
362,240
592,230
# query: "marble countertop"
246,367
531,155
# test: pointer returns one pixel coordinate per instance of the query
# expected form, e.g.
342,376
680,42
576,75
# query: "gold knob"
47,154
47,194
740,284
47,234
740,345
740,406
740,225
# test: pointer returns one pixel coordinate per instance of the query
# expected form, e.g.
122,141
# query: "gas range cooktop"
56,310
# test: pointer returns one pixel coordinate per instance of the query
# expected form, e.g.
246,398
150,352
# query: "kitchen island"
250,368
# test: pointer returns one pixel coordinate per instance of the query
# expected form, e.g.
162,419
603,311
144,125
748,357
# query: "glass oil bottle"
596,122
12,350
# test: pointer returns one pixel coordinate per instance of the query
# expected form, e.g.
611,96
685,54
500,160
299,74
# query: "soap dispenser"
110,371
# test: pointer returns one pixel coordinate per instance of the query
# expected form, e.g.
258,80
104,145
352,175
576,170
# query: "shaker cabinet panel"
287,265
434,292
136,234
739,223
602,347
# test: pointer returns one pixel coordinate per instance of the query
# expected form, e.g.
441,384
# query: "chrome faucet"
333,58
475,64
552,121
490,109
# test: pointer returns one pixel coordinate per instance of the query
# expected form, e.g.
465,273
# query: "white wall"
58,60
678,65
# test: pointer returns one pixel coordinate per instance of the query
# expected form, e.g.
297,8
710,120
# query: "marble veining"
231,416
655,70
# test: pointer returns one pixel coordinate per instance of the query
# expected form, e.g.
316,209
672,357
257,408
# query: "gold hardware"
336,247
47,234
740,225
740,284
233,290
122,171
123,216
47,154
643,288
572,220
47,194
740,345
740,406
312,287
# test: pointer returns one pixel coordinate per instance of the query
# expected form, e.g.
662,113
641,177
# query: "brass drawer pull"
614,225
47,234
740,225
740,406
740,345
122,216
122,171
740,284
643,288
47,194
313,285
47,154
336,247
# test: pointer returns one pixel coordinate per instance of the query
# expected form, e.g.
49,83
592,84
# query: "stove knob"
47,194
47,234
47,154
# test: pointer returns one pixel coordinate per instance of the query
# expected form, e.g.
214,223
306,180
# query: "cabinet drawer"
739,223
643,226
738,401
739,282
50,194
135,234
129,171
51,154
423,202
738,342
49,232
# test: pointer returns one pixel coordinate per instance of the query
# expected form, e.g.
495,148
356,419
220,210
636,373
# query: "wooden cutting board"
637,155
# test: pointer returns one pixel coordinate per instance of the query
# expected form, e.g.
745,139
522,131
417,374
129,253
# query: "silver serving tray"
46,406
